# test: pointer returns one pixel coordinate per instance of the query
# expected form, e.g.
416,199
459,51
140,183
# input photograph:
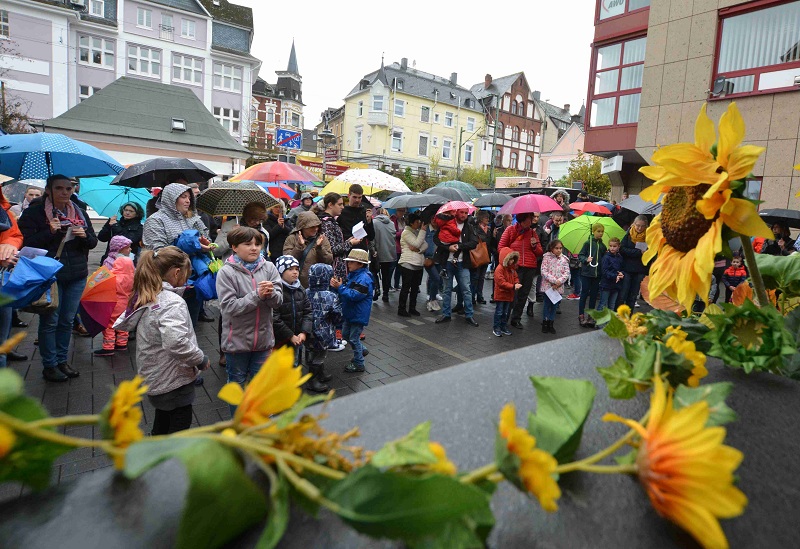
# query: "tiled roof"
230,13
499,86
191,6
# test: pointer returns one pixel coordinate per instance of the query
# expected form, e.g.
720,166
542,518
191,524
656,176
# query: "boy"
506,282
293,319
355,296
733,276
611,275
327,314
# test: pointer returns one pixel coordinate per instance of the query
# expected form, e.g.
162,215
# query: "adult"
31,194
632,248
782,244
411,263
306,201
128,224
332,205
279,228
562,197
478,274
47,223
356,212
206,218
10,243
458,266
399,226
253,215
523,239
308,244
387,251
434,283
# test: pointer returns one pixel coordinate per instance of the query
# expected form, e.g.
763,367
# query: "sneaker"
352,368
497,333
439,297
636,305
429,306
338,346
506,332
573,297
436,306
104,352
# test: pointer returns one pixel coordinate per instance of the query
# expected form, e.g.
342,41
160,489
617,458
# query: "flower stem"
218,426
50,436
479,474
307,489
594,458
755,274
608,469
65,420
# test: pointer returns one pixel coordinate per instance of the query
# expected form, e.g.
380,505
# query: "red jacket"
521,242
505,277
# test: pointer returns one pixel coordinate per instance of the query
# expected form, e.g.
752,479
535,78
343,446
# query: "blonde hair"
151,270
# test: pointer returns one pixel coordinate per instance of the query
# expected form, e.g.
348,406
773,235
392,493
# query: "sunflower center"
681,223
747,333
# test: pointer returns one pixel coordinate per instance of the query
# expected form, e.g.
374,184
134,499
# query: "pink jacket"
554,270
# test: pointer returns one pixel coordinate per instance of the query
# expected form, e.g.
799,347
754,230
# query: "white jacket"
415,238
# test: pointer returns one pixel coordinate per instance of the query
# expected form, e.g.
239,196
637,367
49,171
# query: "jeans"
549,309
575,275
501,311
5,329
526,278
397,272
242,367
411,281
630,289
590,287
55,329
352,333
386,277
608,298
478,277
461,273
434,281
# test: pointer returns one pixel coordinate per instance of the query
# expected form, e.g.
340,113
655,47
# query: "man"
31,194
522,238
356,212
306,201
458,266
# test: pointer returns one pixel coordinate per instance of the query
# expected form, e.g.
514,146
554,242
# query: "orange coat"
505,277
12,236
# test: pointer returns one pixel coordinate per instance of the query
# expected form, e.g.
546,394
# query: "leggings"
172,421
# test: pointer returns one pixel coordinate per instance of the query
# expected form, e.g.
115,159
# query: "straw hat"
359,255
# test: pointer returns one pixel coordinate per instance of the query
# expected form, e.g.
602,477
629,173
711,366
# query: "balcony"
166,32
378,118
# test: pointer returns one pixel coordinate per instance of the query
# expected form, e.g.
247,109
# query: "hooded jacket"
12,235
565,195
163,227
166,346
293,317
129,228
223,249
319,253
277,234
339,246
519,240
611,265
123,271
733,276
595,249
327,312
356,296
505,277
384,239
246,318
351,216
555,270
418,239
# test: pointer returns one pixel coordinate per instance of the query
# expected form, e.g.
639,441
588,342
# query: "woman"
10,243
386,246
412,259
782,244
45,224
632,247
478,274
308,245
279,229
253,216
129,226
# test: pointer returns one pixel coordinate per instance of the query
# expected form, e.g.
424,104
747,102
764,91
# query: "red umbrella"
270,172
530,203
454,205
278,190
584,207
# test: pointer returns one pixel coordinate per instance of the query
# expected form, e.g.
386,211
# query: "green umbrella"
574,234
465,188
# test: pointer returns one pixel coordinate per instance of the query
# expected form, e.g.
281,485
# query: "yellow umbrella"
371,179
343,187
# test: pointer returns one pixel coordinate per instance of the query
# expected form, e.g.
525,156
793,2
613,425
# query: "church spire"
292,68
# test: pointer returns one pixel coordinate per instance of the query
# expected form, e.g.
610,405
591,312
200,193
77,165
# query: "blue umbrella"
39,155
106,199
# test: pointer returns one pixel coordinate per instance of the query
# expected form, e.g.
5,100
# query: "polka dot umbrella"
39,155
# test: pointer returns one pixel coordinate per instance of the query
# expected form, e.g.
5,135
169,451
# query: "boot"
401,311
315,384
529,309
545,327
324,377
582,321
550,327
412,306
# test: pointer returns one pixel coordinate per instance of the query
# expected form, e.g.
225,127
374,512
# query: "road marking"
429,343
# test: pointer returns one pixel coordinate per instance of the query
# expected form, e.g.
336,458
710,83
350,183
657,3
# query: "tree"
586,169
14,111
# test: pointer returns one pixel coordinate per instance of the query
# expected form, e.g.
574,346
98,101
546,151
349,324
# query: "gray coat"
163,227
385,238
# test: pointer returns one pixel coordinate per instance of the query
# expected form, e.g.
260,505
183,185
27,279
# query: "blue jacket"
356,297
611,264
325,305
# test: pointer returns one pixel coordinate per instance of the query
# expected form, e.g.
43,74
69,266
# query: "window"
521,109
500,134
468,152
434,141
448,119
514,158
5,30
515,133
531,138
436,118
447,149
97,8
421,171
271,116
377,103
398,83
425,114
360,108
528,163
498,154
752,188
397,140
227,77
470,124
759,50
144,61
399,107
87,91
558,169
618,83
514,107
144,18
358,139
96,51
423,145
612,8
285,118
166,29
295,120
187,29
187,69
229,118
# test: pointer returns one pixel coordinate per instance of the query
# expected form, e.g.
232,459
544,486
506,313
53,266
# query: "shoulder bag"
480,255
48,301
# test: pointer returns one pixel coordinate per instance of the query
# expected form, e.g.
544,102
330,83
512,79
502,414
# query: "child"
119,245
123,271
733,276
506,282
327,315
248,289
449,233
555,274
356,304
293,319
589,257
611,275
167,353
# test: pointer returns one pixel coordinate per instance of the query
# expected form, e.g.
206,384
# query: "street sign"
288,139
331,155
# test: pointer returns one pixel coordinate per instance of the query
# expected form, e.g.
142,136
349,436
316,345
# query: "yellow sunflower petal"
232,393
652,193
741,161
653,172
741,216
731,133
704,133
698,521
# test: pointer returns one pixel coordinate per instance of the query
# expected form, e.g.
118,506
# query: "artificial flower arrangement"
409,490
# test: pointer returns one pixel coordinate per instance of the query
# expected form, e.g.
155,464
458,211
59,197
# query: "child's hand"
589,259
204,241
205,364
265,289
336,282
517,286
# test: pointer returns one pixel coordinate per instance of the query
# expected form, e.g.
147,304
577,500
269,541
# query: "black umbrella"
790,218
398,193
157,172
413,201
230,198
640,206
492,200
449,193
427,213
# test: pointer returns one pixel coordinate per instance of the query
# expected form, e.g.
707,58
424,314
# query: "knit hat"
305,195
359,255
118,243
285,262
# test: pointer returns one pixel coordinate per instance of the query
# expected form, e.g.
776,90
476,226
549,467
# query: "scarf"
250,266
295,285
636,236
69,216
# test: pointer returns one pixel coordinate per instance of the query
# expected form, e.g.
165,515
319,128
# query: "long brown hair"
151,270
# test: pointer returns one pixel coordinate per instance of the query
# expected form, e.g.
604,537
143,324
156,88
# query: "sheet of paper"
69,236
32,253
358,230
553,295
641,246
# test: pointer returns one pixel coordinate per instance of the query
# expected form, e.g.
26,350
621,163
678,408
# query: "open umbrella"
399,193
530,203
450,193
15,190
98,300
230,198
639,206
39,155
278,190
574,234
413,201
106,199
462,186
492,200
372,180
589,207
790,218
157,172
455,205
272,172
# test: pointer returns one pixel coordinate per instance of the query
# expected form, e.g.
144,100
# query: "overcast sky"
338,42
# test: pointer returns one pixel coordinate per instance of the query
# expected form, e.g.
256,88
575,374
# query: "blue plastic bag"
30,279
189,241
206,286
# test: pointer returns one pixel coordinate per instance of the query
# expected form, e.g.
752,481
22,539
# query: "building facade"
66,50
555,162
654,64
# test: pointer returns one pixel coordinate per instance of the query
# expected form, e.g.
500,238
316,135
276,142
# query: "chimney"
487,81
566,107
537,95
453,78
404,63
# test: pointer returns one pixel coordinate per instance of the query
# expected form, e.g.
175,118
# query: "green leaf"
11,385
618,379
627,459
304,402
601,317
791,363
562,406
714,394
391,505
30,460
642,356
412,449
780,272
222,501
278,514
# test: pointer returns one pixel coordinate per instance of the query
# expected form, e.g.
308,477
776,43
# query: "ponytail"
151,270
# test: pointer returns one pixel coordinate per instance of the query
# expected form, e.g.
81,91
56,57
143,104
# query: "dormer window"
363,85
399,83
281,93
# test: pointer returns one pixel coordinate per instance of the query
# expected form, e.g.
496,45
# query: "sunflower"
676,340
685,469
443,465
7,440
274,389
122,415
635,324
700,198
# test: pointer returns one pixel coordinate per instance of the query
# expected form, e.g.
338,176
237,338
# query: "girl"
167,353
555,273
590,256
